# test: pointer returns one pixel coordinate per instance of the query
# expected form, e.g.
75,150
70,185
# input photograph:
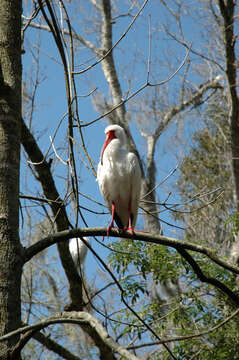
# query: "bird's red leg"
112,218
130,227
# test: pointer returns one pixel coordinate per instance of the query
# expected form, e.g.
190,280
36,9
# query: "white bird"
78,251
119,178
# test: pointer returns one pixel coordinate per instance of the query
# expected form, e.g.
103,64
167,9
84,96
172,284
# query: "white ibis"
119,178
78,251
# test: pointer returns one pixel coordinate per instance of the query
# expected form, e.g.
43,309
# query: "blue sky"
131,60
51,102
131,57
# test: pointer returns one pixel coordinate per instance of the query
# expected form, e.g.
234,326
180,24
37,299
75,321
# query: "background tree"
158,297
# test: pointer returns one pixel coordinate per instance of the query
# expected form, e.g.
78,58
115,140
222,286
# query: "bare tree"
126,325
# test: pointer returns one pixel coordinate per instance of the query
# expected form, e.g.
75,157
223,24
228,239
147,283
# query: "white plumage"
119,178
78,251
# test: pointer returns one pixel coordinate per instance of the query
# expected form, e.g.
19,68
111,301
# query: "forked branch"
83,319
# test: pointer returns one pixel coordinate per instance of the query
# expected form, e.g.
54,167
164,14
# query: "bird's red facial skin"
109,136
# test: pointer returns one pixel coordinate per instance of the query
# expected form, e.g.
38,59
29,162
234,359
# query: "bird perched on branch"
119,178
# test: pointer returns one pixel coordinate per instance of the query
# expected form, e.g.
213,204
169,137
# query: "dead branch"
85,320
52,345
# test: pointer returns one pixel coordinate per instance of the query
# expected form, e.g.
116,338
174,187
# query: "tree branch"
175,110
76,36
85,320
108,65
117,42
150,238
180,246
42,168
209,280
49,344
153,223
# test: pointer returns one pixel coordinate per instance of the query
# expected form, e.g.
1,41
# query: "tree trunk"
227,11
10,115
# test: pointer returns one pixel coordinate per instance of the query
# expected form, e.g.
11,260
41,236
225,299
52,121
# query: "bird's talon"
130,229
111,226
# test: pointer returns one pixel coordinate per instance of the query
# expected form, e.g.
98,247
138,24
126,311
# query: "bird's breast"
114,178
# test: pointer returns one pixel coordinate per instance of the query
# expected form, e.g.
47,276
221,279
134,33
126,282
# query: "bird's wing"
102,179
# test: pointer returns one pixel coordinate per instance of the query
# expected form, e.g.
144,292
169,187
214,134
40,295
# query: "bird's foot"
130,229
111,226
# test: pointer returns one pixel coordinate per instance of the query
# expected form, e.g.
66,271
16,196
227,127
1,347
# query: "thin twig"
161,182
57,156
130,96
116,43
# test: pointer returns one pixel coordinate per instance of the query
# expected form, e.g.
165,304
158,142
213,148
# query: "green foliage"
144,257
205,181
233,222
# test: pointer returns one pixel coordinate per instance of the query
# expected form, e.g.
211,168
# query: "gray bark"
10,114
227,9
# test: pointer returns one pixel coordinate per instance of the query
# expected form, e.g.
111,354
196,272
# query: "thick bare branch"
108,65
76,36
180,246
155,239
102,339
54,346
43,170
96,4
152,222
190,102
207,279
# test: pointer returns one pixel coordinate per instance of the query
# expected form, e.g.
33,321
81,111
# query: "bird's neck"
113,149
